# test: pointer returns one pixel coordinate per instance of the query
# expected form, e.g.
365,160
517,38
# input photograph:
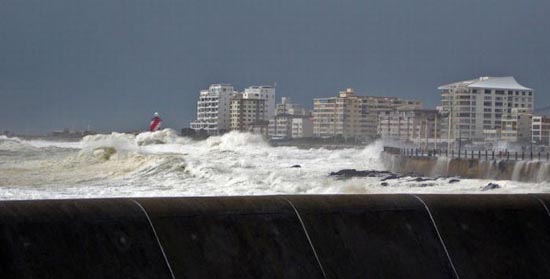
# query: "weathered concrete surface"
258,237
77,239
497,236
373,236
527,171
342,236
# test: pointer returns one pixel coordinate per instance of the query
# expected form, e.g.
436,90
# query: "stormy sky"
110,64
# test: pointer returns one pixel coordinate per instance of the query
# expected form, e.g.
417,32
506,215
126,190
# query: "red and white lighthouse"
155,123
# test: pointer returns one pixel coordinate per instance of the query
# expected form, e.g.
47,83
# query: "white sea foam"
164,164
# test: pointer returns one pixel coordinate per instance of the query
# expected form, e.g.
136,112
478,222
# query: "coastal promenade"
498,165
470,154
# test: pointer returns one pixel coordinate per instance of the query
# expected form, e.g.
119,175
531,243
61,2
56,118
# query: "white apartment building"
213,113
420,126
302,128
247,112
288,126
280,126
264,92
476,108
287,107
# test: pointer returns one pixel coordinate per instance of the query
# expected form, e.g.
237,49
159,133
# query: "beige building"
374,105
410,125
353,116
338,116
517,127
246,113
541,130
264,92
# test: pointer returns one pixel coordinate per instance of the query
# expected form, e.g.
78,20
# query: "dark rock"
296,166
348,173
384,184
490,186
421,179
454,180
393,176
412,174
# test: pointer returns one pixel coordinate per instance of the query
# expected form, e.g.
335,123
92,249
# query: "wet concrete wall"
342,236
526,171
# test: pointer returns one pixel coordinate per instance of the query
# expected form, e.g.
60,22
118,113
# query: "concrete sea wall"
526,171
342,236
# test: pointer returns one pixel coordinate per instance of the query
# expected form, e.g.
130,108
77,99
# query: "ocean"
163,164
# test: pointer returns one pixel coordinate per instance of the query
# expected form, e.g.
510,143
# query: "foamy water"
164,164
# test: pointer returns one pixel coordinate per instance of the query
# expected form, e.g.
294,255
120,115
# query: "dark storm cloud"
111,64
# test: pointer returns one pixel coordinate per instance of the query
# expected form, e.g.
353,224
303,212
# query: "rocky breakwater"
525,171
388,178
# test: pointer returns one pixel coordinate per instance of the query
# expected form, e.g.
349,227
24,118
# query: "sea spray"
518,170
164,164
441,167
543,173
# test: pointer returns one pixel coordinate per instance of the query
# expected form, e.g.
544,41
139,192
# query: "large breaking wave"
163,164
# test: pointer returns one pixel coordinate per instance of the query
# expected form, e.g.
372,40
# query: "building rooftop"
260,86
488,82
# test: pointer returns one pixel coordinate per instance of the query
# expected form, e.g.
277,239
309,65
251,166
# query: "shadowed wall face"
78,239
365,236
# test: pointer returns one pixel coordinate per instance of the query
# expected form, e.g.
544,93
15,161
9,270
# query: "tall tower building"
247,111
353,116
264,92
476,108
213,109
341,115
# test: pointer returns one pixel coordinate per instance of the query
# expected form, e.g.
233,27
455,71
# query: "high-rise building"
302,127
213,115
372,106
281,125
264,92
338,116
352,116
541,130
287,107
517,127
247,111
420,126
476,108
